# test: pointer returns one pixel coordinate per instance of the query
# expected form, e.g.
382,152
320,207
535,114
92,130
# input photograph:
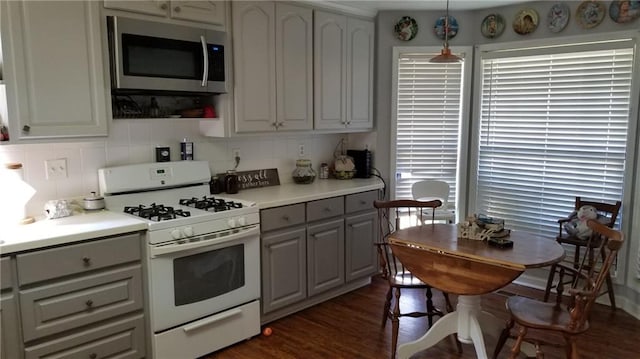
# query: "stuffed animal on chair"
577,226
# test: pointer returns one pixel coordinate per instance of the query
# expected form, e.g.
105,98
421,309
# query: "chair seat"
541,315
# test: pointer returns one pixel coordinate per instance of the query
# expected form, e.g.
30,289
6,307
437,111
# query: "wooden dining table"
468,268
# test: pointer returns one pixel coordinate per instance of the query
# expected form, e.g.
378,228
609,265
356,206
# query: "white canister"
13,208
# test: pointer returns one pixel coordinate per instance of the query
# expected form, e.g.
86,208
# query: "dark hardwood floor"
349,327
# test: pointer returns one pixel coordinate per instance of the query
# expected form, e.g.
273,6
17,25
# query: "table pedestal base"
465,321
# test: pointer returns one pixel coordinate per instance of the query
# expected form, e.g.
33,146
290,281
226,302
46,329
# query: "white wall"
134,141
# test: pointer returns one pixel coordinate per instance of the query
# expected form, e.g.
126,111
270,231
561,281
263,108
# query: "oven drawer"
325,208
78,258
281,217
360,201
208,334
122,339
73,303
5,273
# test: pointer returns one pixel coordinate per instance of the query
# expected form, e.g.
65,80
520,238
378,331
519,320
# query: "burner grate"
156,212
210,204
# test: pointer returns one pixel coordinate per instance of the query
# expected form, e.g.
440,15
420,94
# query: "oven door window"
165,58
207,275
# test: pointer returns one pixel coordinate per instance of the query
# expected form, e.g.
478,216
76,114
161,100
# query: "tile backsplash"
134,141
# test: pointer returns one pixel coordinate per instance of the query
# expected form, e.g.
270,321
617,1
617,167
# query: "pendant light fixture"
445,55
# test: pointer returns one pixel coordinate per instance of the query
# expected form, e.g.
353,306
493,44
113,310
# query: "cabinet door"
55,74
284,268
210,12
325,254
254,64
294,67
360,251
330,71
149,7
360,73
9,338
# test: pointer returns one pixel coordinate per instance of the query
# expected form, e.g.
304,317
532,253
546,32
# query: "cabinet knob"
26,128
363,202
176,9
281,124
285,218
163,6
93,356
89,303
327,209
86,261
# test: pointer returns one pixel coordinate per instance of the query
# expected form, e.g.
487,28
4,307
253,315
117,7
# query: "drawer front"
281,217
77,258
5,273
360,201
123,339
325,208
70,304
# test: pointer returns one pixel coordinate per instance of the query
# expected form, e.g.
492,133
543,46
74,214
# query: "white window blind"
552,127
428,114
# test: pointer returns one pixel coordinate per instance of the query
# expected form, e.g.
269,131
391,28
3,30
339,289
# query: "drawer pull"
177,9
363,202
86,261
163,6
93,356
89,303
327,209
285,218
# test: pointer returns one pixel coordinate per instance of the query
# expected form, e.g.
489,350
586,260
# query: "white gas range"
203,255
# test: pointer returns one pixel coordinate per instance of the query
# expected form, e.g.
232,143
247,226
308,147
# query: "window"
428,109
553,124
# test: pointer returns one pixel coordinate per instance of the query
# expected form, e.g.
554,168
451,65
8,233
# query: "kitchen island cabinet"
69,99
316,250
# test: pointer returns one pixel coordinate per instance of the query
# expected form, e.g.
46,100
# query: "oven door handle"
156,251
211,320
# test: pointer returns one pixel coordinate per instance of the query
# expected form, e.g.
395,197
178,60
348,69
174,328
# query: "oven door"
203,276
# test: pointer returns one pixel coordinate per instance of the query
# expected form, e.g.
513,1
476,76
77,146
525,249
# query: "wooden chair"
390,216
567,320
608,213
425,190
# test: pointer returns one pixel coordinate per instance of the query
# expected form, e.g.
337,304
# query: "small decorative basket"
343,175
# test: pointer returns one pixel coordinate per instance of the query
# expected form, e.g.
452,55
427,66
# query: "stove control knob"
176,234
242,221
231,222
188,231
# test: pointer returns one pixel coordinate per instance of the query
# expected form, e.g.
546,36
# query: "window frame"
629,226
465,52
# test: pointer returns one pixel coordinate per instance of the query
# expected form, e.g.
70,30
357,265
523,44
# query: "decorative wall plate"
558,17
438,28
590,13
406,28
525,22
492,26
624,11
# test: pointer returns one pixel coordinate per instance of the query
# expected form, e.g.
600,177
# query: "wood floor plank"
349,327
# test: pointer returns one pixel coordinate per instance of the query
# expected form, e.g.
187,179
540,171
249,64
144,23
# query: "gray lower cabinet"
83,300
316,250
284,268
9,327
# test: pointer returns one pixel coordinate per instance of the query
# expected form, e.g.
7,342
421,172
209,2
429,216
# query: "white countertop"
289,193
87,225
80,226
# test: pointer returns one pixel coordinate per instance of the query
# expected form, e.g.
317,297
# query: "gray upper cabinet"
273,66
53,67
343,72
208,12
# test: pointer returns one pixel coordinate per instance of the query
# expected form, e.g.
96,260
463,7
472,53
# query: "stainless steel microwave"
154,56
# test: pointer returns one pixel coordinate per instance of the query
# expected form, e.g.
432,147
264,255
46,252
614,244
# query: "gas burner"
156,212
210,204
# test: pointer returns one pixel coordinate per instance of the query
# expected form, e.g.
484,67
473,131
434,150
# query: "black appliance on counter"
362,161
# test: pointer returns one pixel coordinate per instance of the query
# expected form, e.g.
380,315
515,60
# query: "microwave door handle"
205,56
